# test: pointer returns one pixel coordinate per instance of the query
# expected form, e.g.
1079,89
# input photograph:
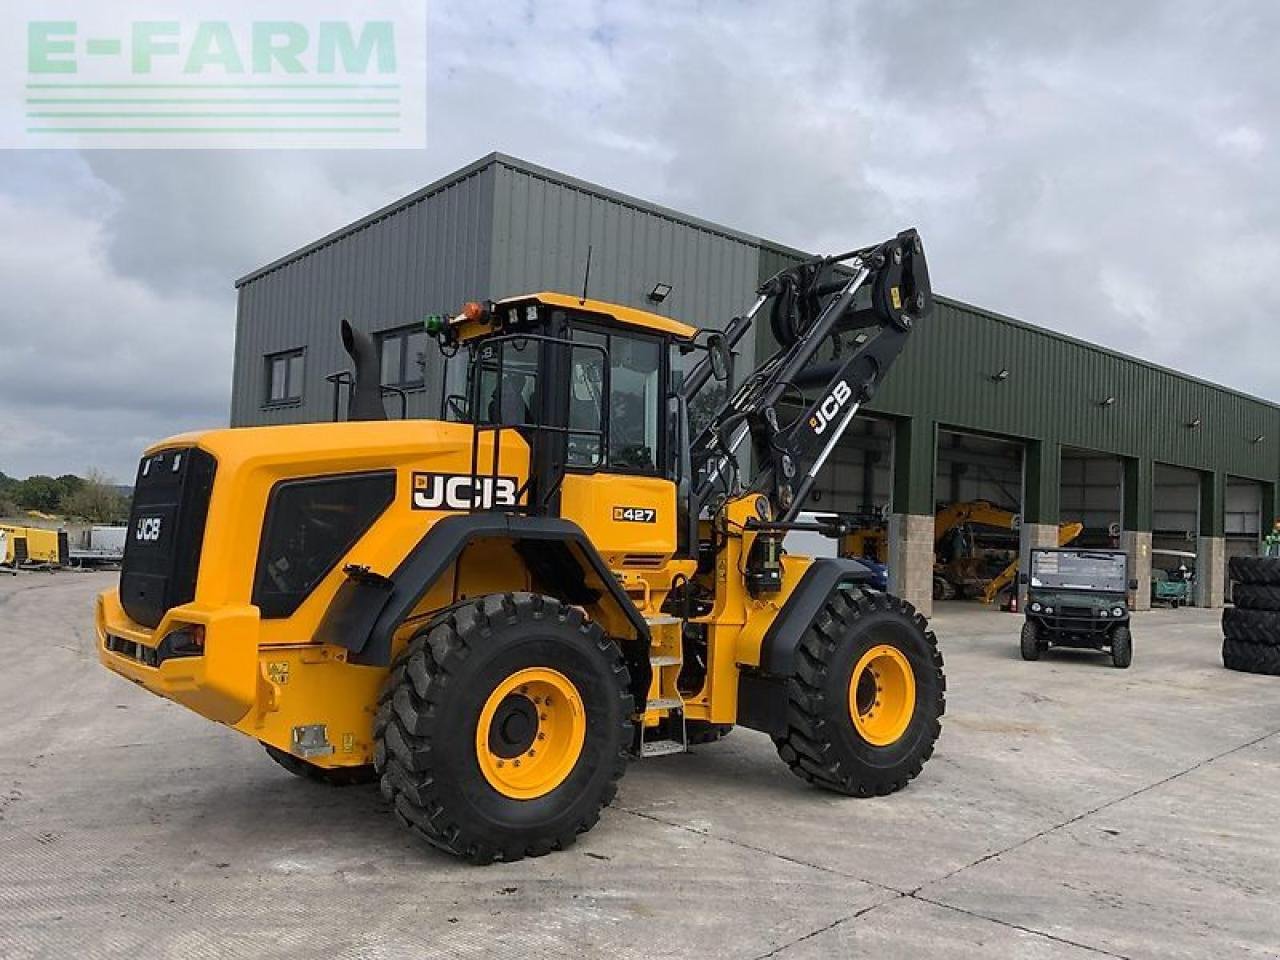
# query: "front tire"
1121,647
866,698
1030,641
503,728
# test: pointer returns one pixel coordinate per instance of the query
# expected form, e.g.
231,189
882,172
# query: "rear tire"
832,736
1030,641
1256,570
1121,647
471,698
330,776
1250,657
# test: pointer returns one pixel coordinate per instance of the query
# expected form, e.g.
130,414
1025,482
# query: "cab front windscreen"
1080,570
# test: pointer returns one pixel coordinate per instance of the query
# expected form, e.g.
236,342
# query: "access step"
660,748
664,703
664,661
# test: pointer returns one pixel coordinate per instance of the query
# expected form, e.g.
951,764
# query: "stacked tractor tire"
1251,629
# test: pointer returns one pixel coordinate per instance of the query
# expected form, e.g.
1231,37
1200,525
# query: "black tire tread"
1250,657
1259,570
1256,596
801,747
1261,627
330,776
1121,647
406,723
1029,641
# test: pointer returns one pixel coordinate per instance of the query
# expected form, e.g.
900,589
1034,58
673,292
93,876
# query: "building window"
404,357
284,377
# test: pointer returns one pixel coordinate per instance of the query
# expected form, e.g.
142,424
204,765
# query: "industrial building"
1175,470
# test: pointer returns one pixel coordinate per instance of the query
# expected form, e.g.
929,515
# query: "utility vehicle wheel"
1254,570
866,696
333,777
1030,641
503,728
1252,626
1250,657
1256,596
1121,647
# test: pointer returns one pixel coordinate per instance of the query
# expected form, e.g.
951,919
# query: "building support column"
911,523
1041,495
1135,538
1211,545
1270,511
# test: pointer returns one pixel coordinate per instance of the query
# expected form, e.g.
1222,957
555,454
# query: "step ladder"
666,657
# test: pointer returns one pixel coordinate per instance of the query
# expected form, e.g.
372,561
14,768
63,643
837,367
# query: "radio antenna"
586,276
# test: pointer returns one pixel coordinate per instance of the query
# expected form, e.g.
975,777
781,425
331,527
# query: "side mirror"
1022,579
718,351
1133,584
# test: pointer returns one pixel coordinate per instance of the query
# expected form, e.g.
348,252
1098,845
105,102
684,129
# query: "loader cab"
589,386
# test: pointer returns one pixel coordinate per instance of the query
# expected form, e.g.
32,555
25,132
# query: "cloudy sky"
1104,169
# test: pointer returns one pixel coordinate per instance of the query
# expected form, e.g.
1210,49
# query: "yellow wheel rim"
530,733
882,695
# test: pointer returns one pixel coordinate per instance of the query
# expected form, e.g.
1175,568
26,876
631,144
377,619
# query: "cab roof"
628,316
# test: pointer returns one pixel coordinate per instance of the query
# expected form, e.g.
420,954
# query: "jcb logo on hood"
147,529
462,491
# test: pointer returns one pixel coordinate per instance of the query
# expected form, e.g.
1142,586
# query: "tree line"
92,497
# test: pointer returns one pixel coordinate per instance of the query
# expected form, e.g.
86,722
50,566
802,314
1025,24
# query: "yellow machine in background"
960,566
490,614
35,545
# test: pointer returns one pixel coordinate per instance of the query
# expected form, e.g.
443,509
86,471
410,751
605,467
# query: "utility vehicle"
1078,598
489,614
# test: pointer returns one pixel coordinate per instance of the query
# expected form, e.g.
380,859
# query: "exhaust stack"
365,402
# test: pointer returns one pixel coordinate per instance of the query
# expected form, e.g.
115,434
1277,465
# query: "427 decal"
635,515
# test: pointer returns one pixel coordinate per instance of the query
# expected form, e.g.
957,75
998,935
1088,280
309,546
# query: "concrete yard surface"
1072,810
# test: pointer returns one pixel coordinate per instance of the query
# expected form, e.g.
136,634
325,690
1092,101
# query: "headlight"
1117,611
1102,613
1035,608
1048,609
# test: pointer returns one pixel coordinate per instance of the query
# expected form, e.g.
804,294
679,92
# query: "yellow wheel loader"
490,614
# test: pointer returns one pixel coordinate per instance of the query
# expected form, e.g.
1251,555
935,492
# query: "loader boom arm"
880,292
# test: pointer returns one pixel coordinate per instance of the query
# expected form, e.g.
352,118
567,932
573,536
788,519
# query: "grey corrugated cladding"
496,228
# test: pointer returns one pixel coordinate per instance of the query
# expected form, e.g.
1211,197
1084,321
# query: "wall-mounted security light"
1193,424
1001,376
1107,402
1259,438
660,292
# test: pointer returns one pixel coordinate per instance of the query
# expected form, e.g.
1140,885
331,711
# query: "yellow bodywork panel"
623,516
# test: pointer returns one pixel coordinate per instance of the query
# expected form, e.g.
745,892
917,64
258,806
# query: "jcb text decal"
462,491
830,406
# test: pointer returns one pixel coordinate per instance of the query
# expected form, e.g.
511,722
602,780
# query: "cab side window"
635,401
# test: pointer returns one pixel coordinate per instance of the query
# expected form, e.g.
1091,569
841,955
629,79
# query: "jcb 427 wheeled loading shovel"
491,613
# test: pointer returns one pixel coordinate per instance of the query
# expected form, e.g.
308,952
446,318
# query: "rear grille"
166,532
650,561
134,651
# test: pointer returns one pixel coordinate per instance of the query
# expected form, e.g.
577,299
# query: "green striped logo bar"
150,74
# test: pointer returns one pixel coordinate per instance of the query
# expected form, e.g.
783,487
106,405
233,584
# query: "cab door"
621,495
